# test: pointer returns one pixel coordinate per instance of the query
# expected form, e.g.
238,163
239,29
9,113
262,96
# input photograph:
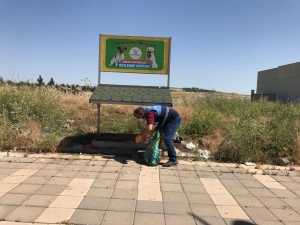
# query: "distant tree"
51,82
1,80
40,81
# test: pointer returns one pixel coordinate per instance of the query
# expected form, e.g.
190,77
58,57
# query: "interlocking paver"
67,173
73,167
94,203
91,189
13,199
259,213
75,191
25,189
238,191
104,183
171,187
177,208
150,195
129,176
113,218
286,214
202,210
190,180
262,192
232,212
179,220
125,194
87,175
92,168
59,181
209,174
251,183
194,188
232,183
25,214
54,167
50,190
222,176
284,193
127,184
273,202
248,201
111,169
6,171
7,187
46,173
83,216
100,192
67,202
149,206
199,198
170,179
179,197
292,202
11,179
291,185
230,221
16,165
127,205
108,176
39,200
36,180
270,222
223,200
55,215
5,210
149,219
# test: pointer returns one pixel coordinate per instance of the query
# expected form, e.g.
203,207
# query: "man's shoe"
169,163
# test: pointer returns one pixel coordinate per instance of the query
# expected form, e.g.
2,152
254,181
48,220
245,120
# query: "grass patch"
232,127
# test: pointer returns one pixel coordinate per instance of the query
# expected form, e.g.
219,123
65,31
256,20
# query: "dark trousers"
169,131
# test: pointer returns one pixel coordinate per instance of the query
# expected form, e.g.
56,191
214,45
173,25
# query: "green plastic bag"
152,152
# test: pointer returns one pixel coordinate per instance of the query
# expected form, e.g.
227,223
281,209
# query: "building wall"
284,81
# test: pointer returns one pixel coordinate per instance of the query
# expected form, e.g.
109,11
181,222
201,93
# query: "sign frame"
108,50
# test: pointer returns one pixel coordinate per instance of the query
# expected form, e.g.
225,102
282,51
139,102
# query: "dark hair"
139,110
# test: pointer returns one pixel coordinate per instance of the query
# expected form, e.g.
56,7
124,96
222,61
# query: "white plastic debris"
250,164
177,150
190,145
204,153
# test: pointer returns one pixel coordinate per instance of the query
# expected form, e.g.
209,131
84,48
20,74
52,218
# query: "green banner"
134,54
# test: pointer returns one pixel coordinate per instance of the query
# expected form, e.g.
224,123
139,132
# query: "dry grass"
212,141
297,149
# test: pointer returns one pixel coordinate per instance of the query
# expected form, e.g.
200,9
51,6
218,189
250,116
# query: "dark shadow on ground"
199,219
234,222
77,139
123,159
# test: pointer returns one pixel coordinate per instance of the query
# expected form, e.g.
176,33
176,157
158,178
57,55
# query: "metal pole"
169,64
99,63
99,81
98,120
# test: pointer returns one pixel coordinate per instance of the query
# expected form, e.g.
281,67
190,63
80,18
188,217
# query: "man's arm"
146,130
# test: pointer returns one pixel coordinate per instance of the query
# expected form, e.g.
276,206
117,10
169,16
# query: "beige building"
284,81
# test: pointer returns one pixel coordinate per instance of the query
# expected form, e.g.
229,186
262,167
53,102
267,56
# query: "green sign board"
134,54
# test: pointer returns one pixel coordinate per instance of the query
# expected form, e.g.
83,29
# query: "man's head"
139,113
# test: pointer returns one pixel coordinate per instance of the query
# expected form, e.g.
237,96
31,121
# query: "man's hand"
138,138
153,133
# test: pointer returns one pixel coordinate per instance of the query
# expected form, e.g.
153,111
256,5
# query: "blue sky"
216,44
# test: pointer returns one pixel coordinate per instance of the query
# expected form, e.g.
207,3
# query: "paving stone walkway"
89,189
